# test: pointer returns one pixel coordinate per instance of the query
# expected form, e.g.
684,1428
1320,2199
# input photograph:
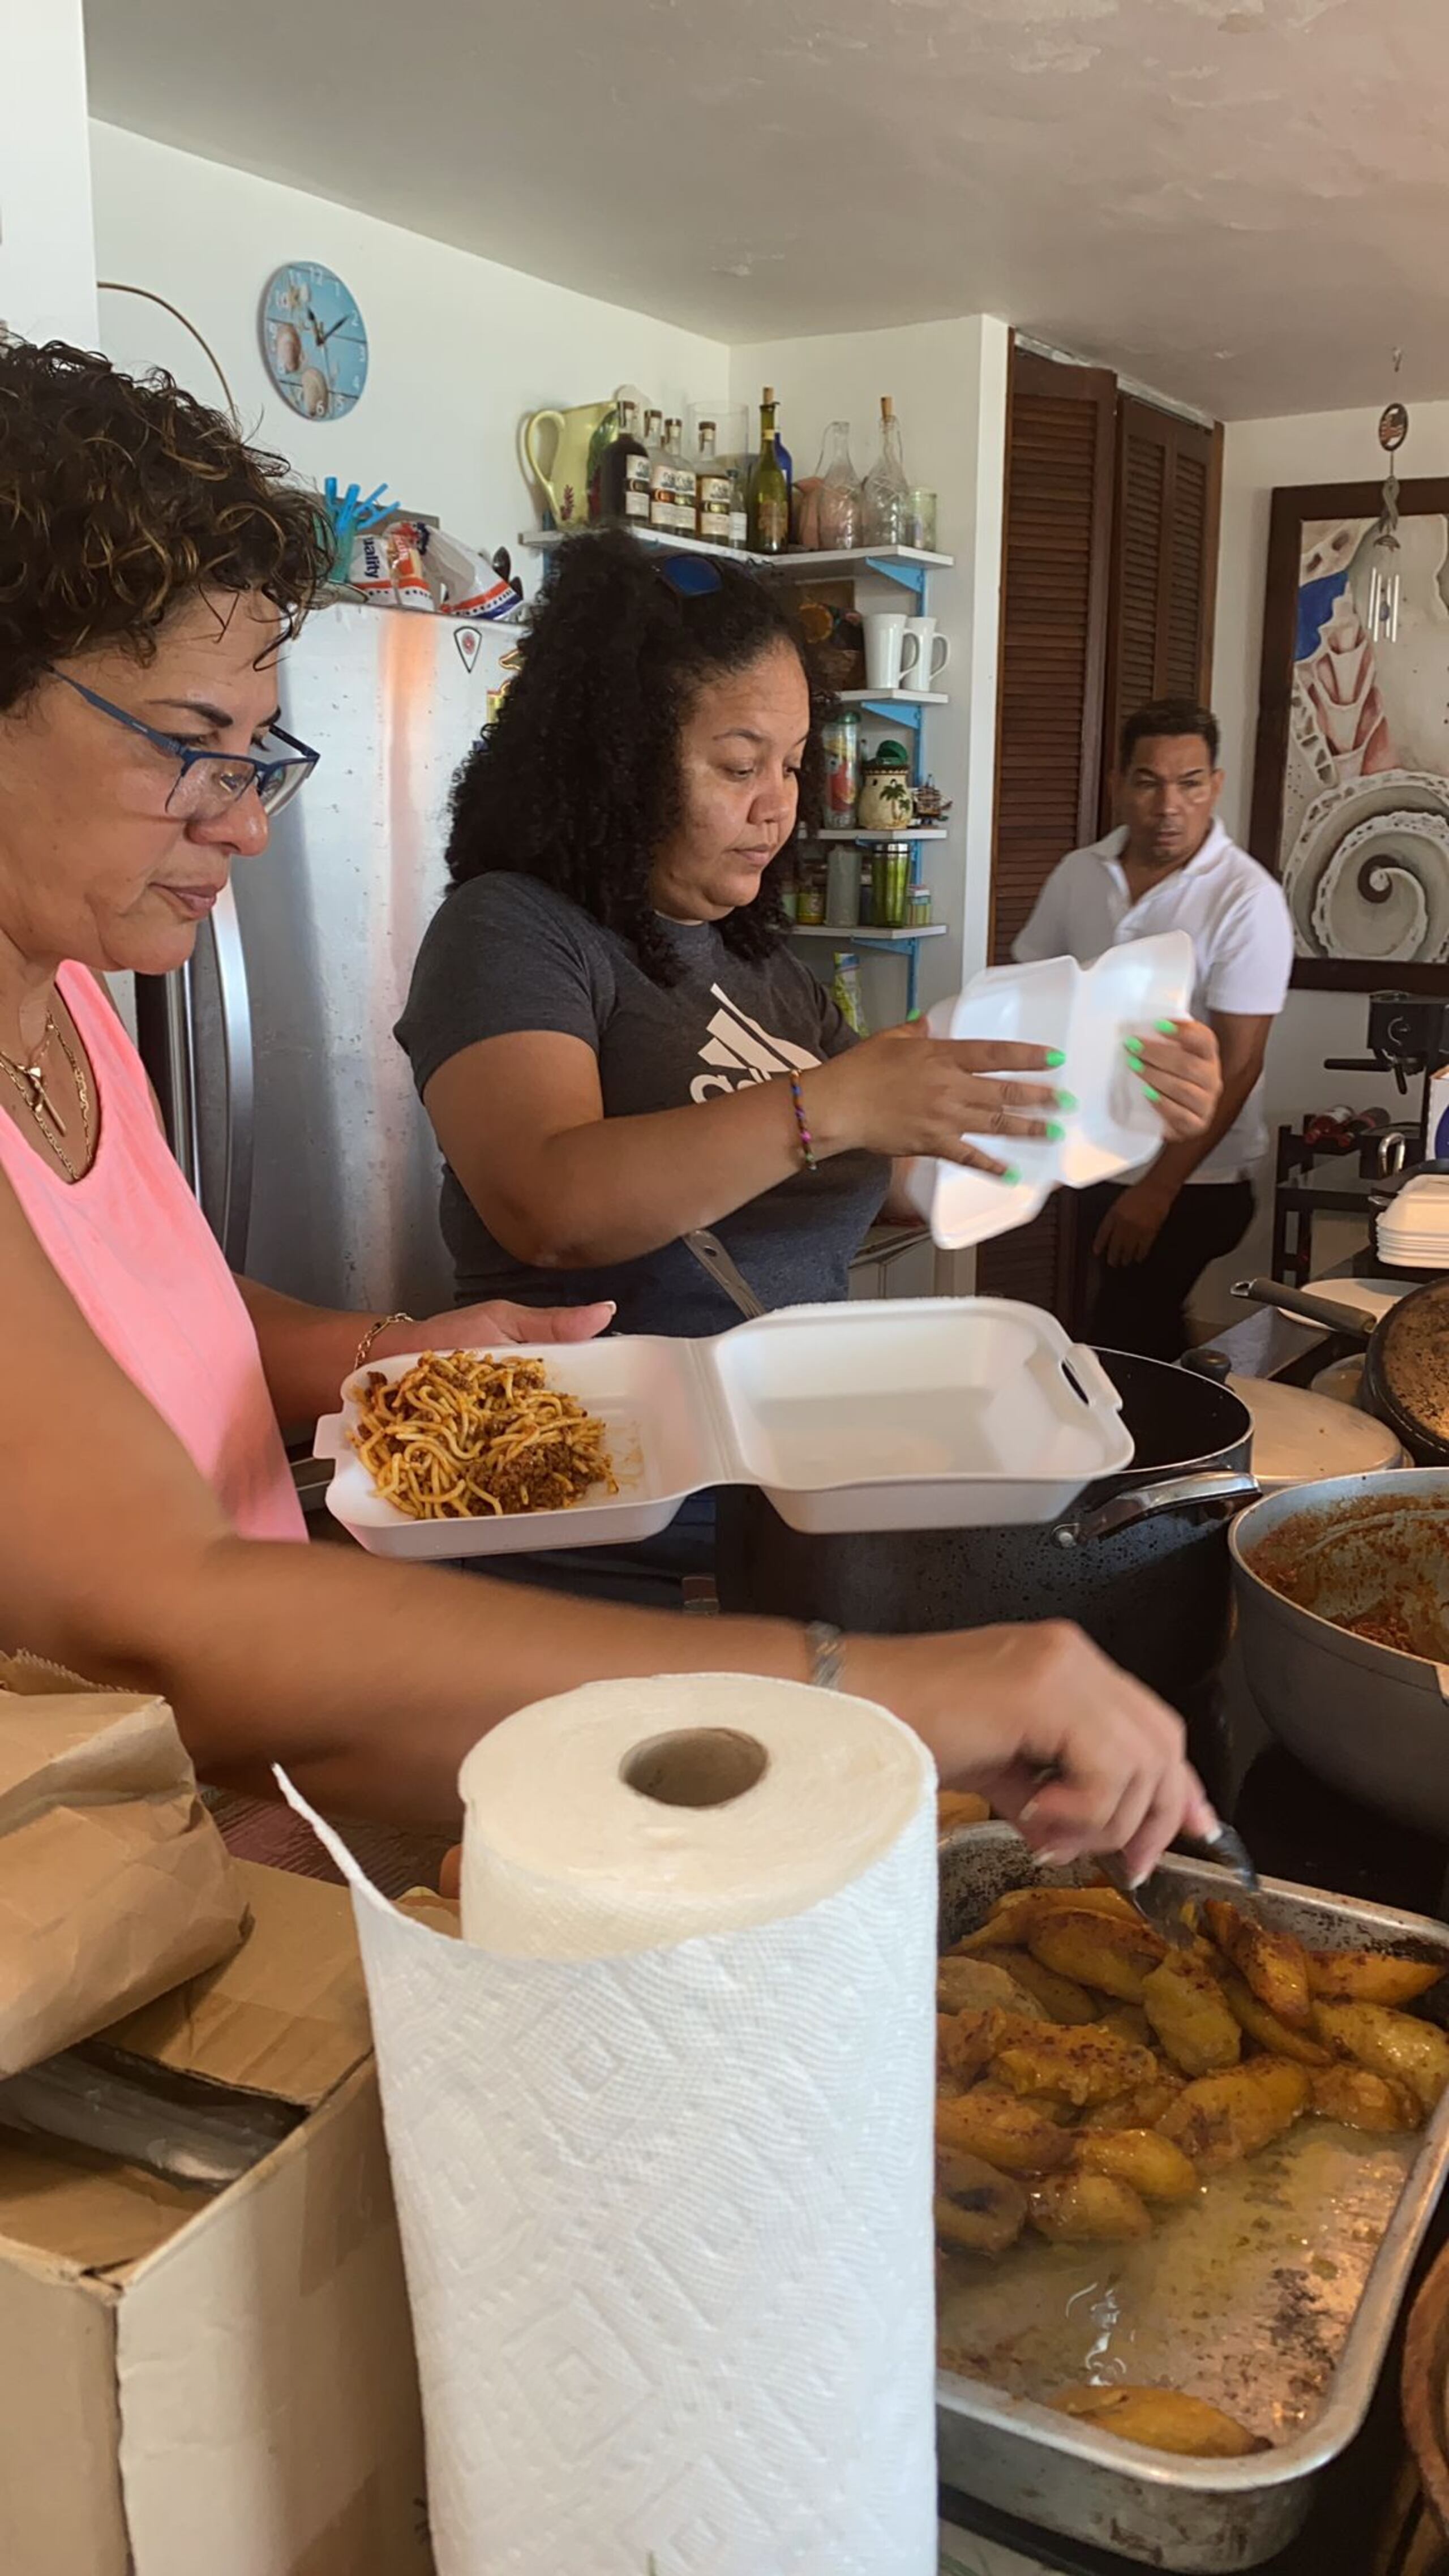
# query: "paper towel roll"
661,2137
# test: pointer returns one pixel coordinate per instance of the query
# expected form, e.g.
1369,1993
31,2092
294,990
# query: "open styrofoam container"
1089,1012
896,1413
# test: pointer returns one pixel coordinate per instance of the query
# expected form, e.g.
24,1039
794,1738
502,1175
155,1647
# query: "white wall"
1258,457
461,348
47,257
949,384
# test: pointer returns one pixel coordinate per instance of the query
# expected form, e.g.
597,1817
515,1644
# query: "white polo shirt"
1232,911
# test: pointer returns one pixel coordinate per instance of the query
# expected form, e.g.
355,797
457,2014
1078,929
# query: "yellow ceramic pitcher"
564,483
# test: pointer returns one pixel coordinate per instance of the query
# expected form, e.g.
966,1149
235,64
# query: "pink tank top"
141,1262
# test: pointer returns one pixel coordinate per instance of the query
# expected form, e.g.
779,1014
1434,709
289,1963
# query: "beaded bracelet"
807,1141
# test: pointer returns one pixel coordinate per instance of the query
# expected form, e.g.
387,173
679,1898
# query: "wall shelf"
915,832
860,934
888,700
905,564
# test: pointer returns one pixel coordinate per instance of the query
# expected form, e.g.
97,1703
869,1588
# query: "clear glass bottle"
714,491
667,474
839,503
769,489
887,494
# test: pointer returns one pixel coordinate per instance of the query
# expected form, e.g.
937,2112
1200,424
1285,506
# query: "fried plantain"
1222,2118
1265,2027
958,1807
1115,1954
1142,2109
1060,1999
1189,2013
975,2205
1369,1977
1164,2419
1129,2022
971,1985
1350,2094
991,2123
1152,2165
1272,1964
1082,2065
1087,2209
1012,1916
1415,2053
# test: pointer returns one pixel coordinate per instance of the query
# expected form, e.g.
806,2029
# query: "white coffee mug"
883,637
924,654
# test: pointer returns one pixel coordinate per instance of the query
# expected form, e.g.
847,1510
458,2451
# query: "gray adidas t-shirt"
505,954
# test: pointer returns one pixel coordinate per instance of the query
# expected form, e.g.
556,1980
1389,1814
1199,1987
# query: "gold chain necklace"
29,1081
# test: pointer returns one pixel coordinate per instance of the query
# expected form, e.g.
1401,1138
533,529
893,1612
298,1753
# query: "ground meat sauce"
1379,1568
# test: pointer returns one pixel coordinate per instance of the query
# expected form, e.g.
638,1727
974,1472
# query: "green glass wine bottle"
769,490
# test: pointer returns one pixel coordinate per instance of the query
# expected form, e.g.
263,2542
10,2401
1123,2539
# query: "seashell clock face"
314,341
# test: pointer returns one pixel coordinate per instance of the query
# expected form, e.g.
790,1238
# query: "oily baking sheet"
1273,2296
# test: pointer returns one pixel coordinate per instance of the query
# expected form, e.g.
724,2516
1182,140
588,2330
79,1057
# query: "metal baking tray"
1273,2297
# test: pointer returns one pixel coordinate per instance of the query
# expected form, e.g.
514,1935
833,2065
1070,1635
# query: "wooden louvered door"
1164,566
1056,561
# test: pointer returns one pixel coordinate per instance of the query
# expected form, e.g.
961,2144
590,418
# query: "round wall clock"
313,340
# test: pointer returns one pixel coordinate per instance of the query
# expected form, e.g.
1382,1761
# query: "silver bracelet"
827,1655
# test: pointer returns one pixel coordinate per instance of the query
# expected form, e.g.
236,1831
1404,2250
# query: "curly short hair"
577,782
120,498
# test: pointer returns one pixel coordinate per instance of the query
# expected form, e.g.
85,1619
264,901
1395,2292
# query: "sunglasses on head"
689,576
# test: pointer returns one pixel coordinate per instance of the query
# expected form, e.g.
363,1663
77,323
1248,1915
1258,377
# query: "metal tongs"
1157,1902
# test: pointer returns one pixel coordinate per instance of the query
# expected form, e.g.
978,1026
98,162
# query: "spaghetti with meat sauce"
463,1434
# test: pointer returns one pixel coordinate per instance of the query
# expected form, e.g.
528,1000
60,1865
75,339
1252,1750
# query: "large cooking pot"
1365,1713
1140,1562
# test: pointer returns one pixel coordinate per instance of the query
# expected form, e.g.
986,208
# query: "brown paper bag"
114,1882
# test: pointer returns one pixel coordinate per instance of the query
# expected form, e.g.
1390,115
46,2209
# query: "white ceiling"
1244,203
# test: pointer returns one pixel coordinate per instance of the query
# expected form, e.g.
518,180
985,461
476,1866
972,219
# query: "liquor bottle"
661,482
887,493
624,474
714,491
769,491
683,482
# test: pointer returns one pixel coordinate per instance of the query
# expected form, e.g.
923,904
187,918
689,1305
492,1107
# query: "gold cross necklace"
29,1081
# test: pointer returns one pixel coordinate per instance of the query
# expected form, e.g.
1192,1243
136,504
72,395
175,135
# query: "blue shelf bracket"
911,576
891,712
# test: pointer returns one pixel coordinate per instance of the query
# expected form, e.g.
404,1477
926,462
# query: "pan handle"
1314,1310
1143,1502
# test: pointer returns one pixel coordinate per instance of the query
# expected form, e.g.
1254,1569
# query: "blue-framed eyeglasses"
209,783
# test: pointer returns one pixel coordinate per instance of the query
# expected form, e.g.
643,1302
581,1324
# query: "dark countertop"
1296,1828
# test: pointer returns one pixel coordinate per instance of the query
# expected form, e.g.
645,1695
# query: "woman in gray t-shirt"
613,1042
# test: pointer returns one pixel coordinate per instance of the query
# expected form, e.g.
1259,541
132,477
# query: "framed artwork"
1351,775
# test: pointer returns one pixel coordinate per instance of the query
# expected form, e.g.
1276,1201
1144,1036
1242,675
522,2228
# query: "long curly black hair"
577,782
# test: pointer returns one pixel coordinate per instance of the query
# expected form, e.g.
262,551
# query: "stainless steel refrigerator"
289,1103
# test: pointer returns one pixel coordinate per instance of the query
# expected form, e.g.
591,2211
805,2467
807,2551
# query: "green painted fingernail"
1168,1028
1066,1100
1133,1045
1055,1057
1151,1094
911,1018
1011,1176
1054,1133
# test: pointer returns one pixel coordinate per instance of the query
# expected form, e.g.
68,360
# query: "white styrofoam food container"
897,1413
1089,1012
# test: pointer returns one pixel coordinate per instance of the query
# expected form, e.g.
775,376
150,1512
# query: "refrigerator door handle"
239,1065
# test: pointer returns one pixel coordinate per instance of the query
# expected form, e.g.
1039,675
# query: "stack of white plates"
1413,1231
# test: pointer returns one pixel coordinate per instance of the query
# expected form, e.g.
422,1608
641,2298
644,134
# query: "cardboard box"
220,2384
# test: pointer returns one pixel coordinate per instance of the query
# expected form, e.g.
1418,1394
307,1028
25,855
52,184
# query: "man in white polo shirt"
1171,866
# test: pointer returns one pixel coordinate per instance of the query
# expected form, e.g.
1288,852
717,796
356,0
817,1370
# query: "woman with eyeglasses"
151,569
612,1039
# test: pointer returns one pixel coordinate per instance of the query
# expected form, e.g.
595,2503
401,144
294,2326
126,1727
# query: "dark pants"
1143,1306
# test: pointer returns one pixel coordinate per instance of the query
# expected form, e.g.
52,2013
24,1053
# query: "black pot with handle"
1140,1562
